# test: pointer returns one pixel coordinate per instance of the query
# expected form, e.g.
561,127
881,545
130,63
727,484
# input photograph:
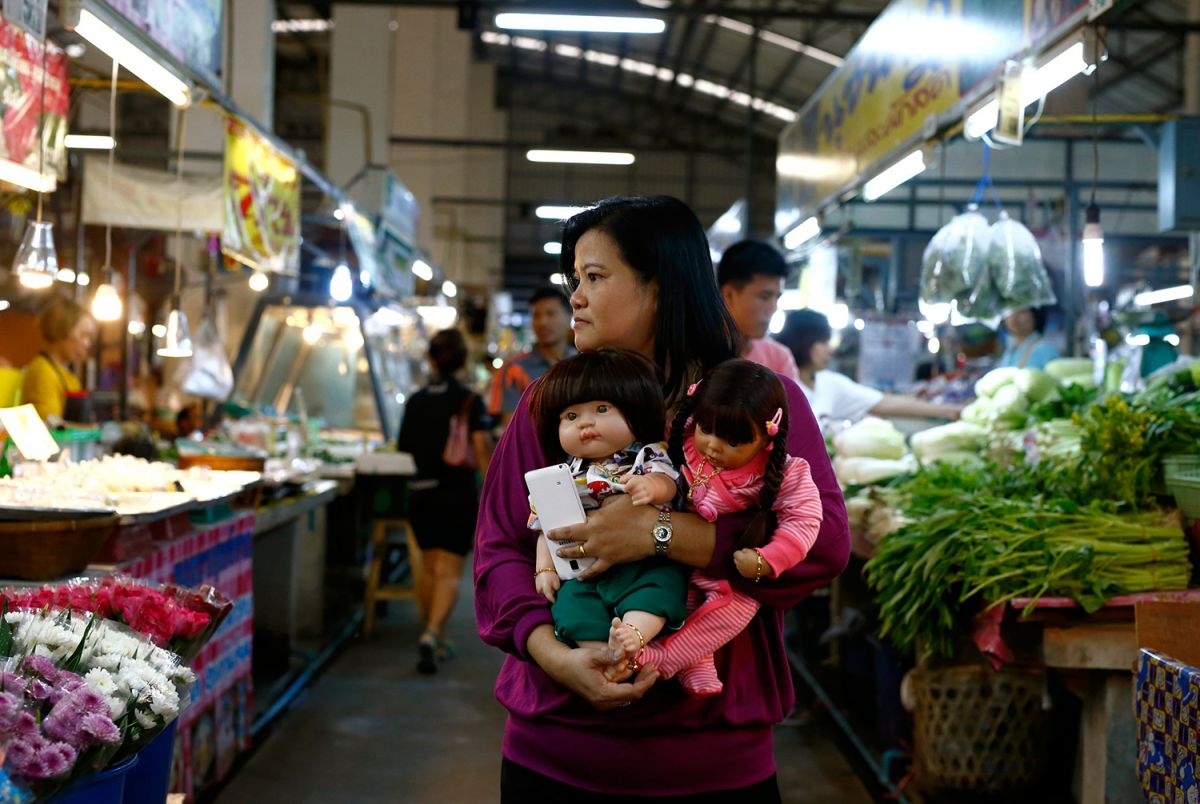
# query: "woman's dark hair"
802,330
734,403
1039,319
448,351
624,378
661,238
58,320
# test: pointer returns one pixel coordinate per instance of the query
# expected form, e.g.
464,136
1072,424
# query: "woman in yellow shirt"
68,332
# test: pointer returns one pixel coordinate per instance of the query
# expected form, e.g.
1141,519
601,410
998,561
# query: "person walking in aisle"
641,279
751,277
550,316
443,498
835,396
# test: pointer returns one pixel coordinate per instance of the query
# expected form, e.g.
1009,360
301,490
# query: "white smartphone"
553,495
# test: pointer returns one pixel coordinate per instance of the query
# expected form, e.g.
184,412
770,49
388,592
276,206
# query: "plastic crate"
1176,465
1184,485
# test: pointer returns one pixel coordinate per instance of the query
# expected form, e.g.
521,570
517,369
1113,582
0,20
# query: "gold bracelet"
543,569
641,638
758,566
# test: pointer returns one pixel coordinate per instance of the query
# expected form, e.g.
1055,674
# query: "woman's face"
820,355
612,306
1020,323
77,346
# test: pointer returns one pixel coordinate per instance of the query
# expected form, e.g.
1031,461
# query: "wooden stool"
376,590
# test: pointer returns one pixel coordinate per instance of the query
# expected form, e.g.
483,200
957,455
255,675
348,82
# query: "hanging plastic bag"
981,301
209,376
955,258
1015,262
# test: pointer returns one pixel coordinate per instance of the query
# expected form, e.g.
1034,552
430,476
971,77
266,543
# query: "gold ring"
582,551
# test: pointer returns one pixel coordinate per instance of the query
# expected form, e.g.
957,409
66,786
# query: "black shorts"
443,517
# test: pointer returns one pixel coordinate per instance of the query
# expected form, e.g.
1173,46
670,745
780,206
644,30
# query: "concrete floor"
372,730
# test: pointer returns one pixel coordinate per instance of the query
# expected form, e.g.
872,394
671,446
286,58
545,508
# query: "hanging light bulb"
179,339
341,286
36,263
106,303
259,281
1093,249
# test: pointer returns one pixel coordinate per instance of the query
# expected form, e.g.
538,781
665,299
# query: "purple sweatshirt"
667,743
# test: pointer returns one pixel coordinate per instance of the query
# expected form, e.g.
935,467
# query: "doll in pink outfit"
725,433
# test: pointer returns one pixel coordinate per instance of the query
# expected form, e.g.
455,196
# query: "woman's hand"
582,670
615,533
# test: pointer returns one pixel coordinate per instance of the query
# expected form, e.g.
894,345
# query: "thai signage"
190,30
916,63
262,202
21,60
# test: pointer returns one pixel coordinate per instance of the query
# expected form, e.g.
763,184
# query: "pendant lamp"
179,340
106,302
36,263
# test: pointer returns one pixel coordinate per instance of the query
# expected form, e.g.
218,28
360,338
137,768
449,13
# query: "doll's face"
724,455
593,430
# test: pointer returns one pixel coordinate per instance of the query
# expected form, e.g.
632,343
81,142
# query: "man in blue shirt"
550,314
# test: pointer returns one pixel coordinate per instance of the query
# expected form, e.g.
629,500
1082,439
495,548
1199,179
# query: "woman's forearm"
545,649
893,405
692,541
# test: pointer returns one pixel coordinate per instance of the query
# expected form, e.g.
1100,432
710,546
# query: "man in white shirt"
751,277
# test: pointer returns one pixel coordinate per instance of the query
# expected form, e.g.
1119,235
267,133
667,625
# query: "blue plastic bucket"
106,787
149,781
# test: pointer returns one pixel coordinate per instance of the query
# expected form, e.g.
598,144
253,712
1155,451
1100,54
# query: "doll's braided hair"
734,402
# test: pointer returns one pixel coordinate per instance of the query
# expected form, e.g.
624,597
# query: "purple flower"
35,757
39,690
10,707
88,700
26,724
100,728
11,682
41,666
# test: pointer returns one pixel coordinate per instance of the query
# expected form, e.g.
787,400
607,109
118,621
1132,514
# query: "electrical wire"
112,133
1095,120
179,141
42,126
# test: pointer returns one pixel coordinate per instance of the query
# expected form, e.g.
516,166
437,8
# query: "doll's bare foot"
626,642
618,672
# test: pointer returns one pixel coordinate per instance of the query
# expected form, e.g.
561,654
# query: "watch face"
662,533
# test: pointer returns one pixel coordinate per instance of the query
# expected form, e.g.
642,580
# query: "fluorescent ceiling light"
1165,295
807,230
643,68
136,60
437,317
895,175
1036,83
655,3
423,270
20,175
580,157
778,40
557,279
341,284
301,26
1093,248
587,23
449,289
91,142
4,305
839,316
76,50
549,212
553,247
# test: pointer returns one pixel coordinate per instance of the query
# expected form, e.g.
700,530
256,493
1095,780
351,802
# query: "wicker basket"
978,731
223,463
40,551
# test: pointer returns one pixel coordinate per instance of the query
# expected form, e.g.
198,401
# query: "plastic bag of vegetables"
955,258
1016,266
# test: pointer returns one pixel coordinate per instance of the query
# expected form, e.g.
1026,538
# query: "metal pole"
1072,269
1191,63
750,122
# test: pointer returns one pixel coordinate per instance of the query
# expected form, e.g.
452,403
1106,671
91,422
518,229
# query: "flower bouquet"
180,620
54,728
145,686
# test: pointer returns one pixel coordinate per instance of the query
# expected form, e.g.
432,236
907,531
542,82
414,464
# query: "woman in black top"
443,499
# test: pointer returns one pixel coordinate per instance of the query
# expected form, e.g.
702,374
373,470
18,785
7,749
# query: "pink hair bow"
773,424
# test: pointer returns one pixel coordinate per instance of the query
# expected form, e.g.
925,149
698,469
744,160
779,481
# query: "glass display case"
346,367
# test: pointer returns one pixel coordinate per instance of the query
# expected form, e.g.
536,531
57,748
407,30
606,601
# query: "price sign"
28,15
1011,127
28,432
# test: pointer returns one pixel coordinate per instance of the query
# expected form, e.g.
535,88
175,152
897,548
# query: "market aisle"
372,730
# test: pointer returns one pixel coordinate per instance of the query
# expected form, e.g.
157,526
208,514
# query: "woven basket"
223,463
40,551
978,731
